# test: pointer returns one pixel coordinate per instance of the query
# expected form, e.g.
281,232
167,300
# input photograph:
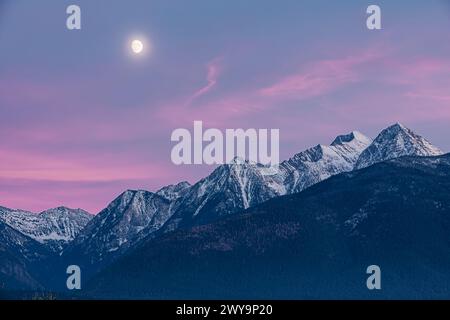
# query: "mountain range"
316,244
137,218
54,227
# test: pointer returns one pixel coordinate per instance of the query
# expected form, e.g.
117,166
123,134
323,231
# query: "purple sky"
81,119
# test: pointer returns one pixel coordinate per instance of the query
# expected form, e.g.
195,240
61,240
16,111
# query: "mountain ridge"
314,244
230,189
237,186
53,227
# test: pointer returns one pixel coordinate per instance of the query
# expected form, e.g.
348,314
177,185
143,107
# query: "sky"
82,119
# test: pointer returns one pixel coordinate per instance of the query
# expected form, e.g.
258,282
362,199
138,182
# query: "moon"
137,46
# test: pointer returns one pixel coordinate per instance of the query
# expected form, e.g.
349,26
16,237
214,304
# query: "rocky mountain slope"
313,244
53,228
131,216
394,142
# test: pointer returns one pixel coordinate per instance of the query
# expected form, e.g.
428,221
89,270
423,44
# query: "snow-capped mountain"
137,216
321,162
174,191
395,213
242,184
394,142
350,146
131,216
230,188
53,228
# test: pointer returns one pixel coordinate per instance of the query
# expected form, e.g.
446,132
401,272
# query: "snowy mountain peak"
399,125
313,154
53,227
132,215
394,142
174,191
65,211
396,128
321,162
350,146
354,136
133,202
242,184
240,161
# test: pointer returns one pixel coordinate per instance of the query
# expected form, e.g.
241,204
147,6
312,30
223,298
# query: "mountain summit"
129,217
394,142
321,162
54,227
230,188
174,191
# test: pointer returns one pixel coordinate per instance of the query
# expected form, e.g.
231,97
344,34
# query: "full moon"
137,46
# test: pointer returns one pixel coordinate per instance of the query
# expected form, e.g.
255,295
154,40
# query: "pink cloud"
86,167
319,78
425,83
422,68
413,91
214,69
313,80
429,95
397,90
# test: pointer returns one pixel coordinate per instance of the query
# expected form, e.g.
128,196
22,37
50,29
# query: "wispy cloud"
315,79
424,79
428,95
214,69
319,78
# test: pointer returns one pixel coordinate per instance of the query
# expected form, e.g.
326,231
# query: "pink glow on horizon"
96,175
27,165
